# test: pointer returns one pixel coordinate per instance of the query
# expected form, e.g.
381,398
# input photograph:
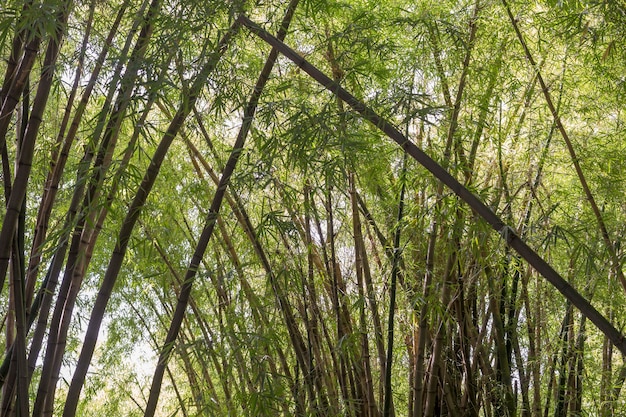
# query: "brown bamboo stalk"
312,261
75,266
58,159
310,323
388,252
8,390
17,48
503,366
369,290
388,410
46,291
360,256
575,384
468,404
40,100
16,200
422,326
560,406
16,316
16,86
449,400
436,367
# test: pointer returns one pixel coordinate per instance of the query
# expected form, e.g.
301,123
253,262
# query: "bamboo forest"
313,208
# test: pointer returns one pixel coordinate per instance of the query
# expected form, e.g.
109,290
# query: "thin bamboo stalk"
58,159
22,175
211,219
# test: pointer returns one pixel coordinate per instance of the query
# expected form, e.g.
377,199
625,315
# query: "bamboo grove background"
191,225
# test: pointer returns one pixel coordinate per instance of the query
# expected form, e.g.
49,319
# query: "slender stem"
211,220
387,409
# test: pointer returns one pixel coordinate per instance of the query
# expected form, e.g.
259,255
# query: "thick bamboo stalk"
18,80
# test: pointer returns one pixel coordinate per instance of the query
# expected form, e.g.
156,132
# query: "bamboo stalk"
570,147
59,158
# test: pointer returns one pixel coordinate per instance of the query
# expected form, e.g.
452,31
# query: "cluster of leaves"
340,277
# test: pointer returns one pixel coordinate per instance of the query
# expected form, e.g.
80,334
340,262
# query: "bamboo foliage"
202,218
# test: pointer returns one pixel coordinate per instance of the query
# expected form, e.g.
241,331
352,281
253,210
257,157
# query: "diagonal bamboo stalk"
58,159
136,206
22,174
507,233
211,219
18,193
75,266
570,147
